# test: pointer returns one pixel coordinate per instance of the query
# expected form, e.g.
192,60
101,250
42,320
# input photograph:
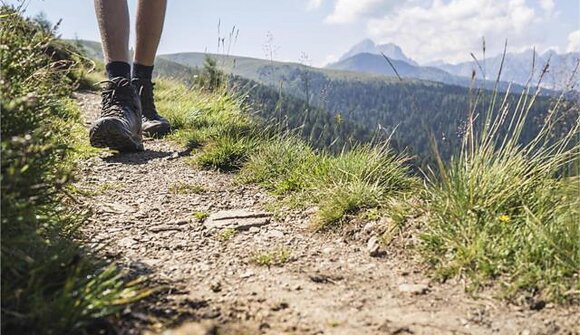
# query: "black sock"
118,69
142,71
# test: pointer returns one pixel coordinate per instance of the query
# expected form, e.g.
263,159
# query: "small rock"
311,211
374,247
239,219
280,306
415,289
247,275
275,234
324,279
328,250
127,242
368,228
216,286
162,228
205,328
173,156
179,222
537,305
117,208
254,230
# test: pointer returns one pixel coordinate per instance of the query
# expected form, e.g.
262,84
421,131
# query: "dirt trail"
329,284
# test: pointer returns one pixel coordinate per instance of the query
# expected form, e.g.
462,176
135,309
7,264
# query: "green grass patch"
277,257
227,138
227,234
499,212
185,188
200,215
226,153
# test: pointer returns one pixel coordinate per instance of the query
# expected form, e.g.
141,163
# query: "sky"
317,32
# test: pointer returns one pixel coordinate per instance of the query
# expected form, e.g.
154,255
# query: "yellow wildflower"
504,218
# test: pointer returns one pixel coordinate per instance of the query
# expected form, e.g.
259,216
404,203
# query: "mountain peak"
391,50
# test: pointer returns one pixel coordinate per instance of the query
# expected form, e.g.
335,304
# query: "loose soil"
146,210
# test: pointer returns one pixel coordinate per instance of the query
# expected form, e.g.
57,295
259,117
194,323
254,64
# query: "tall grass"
50,284
230,139
501,210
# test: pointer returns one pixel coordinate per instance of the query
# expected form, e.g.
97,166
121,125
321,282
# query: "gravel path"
146,209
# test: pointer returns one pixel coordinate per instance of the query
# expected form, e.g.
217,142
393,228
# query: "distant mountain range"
367,46
377,64
519,68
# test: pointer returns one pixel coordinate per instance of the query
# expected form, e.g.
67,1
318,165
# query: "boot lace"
116,95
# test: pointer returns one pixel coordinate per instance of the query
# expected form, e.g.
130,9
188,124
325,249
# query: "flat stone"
162,228
275,234
247,274
415,289
117,208
127,242
239,219
179,222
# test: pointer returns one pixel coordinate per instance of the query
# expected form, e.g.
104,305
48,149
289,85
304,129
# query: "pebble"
374,247
415,289
275,234
247,274
216,286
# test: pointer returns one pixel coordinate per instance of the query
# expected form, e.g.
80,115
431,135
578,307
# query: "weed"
200,215
277,257
185,188
227,234
334,323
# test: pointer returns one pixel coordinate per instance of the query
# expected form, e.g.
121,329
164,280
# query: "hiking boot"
119,126
154,125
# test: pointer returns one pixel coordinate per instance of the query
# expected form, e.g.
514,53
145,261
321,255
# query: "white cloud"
346,11
574,42
314,4
547,5
449,30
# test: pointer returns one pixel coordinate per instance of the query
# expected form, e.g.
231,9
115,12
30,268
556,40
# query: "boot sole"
110,133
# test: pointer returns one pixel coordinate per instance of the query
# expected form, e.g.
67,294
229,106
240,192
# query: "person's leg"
119,126
113,20
150,18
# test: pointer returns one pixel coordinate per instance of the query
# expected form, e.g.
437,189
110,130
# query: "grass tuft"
200,215
185,188
501,209
277,257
